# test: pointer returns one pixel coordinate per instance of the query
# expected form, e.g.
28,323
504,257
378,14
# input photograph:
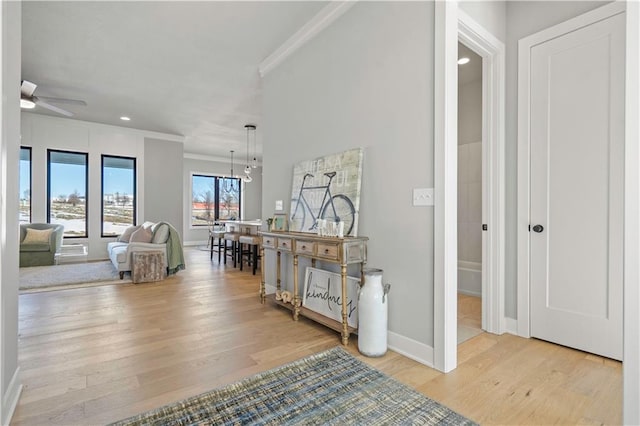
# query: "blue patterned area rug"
329,388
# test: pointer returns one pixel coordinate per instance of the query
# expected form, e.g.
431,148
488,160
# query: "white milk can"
372,314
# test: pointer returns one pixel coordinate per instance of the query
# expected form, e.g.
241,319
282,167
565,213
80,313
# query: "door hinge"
484,227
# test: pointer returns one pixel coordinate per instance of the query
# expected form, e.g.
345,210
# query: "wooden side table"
342,251
147,266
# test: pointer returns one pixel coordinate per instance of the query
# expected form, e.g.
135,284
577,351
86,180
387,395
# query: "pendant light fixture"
229,183
247,170
248,127
252,129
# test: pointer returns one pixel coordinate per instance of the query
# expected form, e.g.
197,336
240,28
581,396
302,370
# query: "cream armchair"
38,249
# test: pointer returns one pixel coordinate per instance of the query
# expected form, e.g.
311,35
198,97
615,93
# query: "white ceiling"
185,68
472,70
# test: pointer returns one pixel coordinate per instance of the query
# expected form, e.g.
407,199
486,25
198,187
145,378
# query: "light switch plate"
279,205
423,196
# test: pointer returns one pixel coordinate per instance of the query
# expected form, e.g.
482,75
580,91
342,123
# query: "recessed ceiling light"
463,60
26,103
124,118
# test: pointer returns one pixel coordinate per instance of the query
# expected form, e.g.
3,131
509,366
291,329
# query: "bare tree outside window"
74,198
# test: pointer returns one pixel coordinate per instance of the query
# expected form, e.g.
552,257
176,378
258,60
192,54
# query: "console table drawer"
330,251
269,242
284,243
305,247
355,252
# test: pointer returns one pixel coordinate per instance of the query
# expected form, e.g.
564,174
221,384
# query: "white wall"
10,386
42,132
490,14
470,111
201,164
367,80
163,199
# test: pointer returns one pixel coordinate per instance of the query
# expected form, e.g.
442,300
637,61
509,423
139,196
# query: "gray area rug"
329,388
57,277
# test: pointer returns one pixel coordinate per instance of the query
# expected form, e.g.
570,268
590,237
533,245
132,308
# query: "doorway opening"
470,193
454,25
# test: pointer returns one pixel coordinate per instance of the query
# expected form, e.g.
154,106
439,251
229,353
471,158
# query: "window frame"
30,149
216,211
86,185
135,191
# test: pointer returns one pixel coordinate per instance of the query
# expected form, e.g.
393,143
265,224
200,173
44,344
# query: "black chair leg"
211,242
255,259
240,254
234,253
225,252
220,248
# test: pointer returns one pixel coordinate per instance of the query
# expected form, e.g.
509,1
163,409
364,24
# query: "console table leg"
263,295
345,330
296,297
278,272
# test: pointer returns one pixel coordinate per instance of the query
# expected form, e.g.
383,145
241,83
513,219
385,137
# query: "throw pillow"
160,234
37,236
147,225
126,235
141,235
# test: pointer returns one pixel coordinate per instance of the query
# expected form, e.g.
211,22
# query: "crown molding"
315,26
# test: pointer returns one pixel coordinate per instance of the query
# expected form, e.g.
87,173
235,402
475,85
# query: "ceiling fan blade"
63,100
27,88
52,108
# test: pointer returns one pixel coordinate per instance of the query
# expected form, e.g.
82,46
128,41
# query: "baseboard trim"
194,243
411,348
511,326
469,293
11,397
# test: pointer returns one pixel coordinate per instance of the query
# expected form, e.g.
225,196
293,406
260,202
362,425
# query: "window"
25,184
67,191
229,198
118,194
214,198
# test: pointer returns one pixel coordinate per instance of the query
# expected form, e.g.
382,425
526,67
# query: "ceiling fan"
28,100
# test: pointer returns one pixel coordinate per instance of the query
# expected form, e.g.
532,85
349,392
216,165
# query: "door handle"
538,228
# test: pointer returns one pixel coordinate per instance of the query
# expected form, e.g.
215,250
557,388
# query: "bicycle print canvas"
327,188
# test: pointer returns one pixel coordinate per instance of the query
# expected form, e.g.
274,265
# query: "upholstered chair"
39,243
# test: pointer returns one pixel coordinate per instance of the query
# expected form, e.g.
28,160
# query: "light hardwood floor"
469,317
96,355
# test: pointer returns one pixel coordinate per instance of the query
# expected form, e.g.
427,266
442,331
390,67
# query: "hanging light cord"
255,160
229,182
247,170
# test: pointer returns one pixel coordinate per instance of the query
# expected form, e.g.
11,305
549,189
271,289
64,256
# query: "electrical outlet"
423,196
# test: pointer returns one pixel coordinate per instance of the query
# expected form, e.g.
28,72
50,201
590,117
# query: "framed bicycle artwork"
327,188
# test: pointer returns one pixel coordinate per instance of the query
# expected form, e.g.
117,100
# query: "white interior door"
577,184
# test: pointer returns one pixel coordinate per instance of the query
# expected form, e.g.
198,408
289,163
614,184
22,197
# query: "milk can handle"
386,289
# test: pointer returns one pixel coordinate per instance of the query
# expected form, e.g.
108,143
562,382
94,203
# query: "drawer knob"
304,247
326,251
284,244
